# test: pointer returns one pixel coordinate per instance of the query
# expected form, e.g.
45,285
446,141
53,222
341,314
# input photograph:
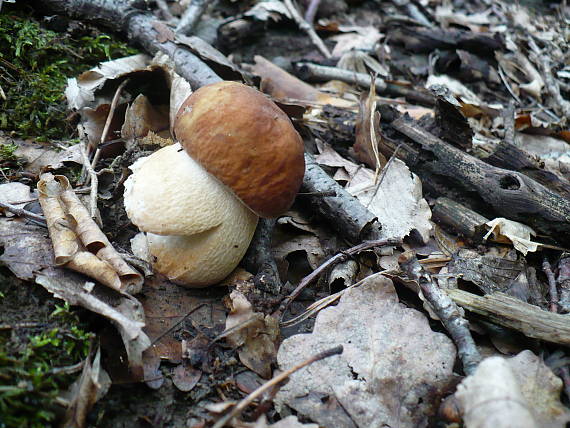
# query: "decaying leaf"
396,200
39,157
367,134
390,372
14,193
185,377
512,232
288,422
264,10
124,311
80,92
256,335
141,117
78,242
283,86
493,272
86,391
516,392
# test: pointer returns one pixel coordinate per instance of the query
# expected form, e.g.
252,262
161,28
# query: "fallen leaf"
512,232
519,391
390,373
396,200
256,335
80,91
367,134
141,117
185,377
13,193
124,311
78,242
93,384
283,86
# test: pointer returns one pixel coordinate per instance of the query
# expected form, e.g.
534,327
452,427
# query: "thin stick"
337,350
191,16
176,324
166,15
20,212
312,11
547,269
340,257
310,71
448,313
112,109
94,181
307,28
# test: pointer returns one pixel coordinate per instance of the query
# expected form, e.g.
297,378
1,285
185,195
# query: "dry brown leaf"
367,134
142,117
78,242
512,232
80,91
13,193
390,373
185,377
397,201
256,335
27,249
283,86
515,392
38,157
92,385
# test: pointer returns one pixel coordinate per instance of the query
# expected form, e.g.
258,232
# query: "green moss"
29,379
34,66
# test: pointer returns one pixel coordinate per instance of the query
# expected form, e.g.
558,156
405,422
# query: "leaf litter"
394,368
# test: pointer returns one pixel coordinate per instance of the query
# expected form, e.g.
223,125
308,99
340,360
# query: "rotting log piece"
510,194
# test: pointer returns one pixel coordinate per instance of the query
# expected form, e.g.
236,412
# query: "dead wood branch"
139,26
350,218
514,313
447,311
510,193
259,258
308,71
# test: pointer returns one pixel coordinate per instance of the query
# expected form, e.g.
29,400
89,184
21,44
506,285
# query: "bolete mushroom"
198,207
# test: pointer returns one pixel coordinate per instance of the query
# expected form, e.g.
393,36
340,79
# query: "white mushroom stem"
197,231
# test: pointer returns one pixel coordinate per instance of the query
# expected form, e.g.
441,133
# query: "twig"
509,123
176,324
340,257
21,325
312,11
112,109
191,16
260,260
547,269
166,15
94,182
20,212
353,220
307,28
140,27
337,350
448,313
309,71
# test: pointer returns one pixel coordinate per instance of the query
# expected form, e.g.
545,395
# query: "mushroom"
198,207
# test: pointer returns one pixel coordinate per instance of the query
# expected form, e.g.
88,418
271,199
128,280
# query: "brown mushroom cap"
245,141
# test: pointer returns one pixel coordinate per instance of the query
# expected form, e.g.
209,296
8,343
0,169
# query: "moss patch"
37,339
34,66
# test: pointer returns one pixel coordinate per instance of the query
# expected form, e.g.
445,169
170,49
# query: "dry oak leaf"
512,392
391,371
255,334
